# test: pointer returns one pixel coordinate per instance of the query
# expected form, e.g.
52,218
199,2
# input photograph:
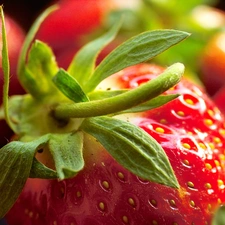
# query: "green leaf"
69,86
151,104
6,69
137,49
40,69
133,148
39,170
29,38
83,64
16,160
219,217
67,152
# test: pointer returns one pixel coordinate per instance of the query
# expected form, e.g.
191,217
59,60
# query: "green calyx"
123,101
62,106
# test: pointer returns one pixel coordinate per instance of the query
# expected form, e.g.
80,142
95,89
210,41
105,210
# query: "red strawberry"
190,130
125,148
65,30
63,26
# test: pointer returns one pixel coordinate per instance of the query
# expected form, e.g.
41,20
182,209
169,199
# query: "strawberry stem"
134,97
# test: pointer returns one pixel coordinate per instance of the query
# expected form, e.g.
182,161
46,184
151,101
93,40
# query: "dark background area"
25,11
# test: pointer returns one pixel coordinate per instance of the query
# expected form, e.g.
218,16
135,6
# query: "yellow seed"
220,182
190,184
217,163
186,145
186,162
154,222
102,206
219,201
209,206
217,140
189,101
212,146
172,203
125,219
131,201
208,185
208,122
210,112
180,113
163,121
120,175
159,130
202,145
78,194
192,203
208,166
222,131
222,157
153,202
105,184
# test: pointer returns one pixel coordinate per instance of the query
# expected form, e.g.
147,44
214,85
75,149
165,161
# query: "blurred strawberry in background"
213,63
65,29
71,20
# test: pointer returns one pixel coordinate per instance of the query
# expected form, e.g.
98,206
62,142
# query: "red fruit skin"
190,129
213,63
15,37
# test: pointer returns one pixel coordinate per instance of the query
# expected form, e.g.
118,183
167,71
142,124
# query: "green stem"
143,93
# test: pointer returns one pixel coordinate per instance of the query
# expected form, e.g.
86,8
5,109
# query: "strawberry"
63,26
66,31
116,144
212,63
106,193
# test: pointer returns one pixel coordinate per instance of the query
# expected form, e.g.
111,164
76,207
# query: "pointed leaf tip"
137,49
